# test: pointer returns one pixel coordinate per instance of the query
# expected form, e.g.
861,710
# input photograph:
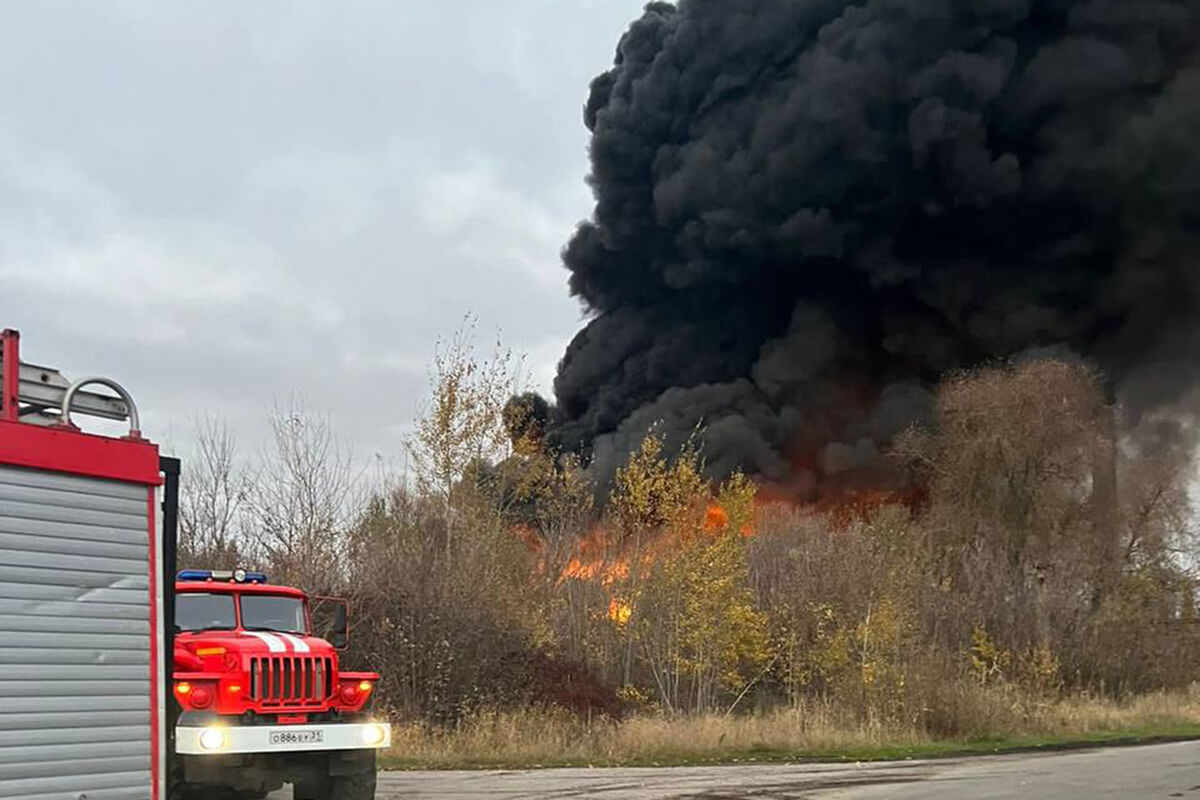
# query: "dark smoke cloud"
809,210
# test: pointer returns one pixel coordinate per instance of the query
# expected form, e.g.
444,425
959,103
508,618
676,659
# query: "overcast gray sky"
224,204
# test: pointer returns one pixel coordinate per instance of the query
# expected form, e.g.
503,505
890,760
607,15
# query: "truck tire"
357,786
353,787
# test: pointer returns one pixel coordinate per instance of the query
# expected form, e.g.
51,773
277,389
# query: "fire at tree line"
1020,556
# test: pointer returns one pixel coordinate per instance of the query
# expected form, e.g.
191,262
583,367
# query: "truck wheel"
353,787
311,790
360,786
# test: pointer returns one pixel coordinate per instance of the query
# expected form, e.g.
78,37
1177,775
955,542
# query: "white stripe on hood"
299,645
273,642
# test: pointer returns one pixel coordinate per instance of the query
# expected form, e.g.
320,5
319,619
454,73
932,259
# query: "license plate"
297,737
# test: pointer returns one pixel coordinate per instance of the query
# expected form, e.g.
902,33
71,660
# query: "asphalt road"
1133,773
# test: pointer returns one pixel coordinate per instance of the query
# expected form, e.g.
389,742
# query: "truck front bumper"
217,739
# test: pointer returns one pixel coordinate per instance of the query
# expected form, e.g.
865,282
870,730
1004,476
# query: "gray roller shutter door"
74,638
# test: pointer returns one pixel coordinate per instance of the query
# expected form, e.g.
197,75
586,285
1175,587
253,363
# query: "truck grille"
291,680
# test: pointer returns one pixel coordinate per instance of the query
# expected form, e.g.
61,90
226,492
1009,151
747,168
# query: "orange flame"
600,560
594,561
619,611
715,518
605,572
604,558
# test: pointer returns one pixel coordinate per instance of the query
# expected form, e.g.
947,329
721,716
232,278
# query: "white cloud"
223,204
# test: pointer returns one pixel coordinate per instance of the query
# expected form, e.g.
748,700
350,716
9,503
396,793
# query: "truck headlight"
374,734
212,739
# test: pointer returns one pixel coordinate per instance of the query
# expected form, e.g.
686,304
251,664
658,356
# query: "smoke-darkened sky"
809,211
224,203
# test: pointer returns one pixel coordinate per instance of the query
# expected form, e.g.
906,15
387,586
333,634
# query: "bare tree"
303,499
1015,482
213,491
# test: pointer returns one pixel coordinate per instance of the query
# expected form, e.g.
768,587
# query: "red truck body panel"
41,453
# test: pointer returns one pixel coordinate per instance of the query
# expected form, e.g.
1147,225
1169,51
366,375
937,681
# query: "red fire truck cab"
261,699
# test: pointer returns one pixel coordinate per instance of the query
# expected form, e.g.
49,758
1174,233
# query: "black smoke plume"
807,211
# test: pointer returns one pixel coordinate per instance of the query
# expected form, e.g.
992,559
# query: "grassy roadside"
543,740
395,760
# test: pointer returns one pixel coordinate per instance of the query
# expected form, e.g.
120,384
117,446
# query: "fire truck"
262,699
91,705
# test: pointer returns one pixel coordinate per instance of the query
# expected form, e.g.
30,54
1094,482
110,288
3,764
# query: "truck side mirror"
331,621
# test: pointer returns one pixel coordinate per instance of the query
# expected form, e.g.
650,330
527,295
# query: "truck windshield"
269,612
198,611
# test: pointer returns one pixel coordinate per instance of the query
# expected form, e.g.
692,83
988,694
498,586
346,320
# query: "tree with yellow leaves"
687,609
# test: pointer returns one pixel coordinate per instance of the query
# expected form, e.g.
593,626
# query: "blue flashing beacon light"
233,576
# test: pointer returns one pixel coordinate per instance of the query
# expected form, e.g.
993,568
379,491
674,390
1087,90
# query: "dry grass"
1083,715
543,738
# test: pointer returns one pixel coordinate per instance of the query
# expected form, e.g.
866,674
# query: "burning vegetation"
1007,546
810,219
881,404
1037,560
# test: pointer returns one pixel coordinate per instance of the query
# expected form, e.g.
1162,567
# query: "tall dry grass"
546,737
